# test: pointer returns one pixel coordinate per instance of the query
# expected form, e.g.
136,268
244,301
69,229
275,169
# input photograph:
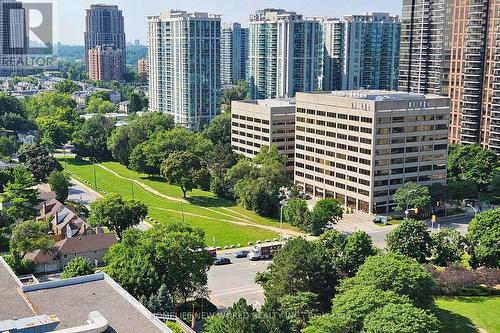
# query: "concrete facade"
105,63
264,123
361,146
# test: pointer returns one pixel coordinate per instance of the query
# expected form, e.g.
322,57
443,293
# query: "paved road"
82,194
231,282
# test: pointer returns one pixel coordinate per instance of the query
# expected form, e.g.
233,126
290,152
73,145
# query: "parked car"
380,219
265,251
241,254
330,226
222,261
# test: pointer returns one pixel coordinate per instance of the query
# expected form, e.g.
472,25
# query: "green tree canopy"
448,246
397,273
220,160
412,195
471,162
78,266
99,105
410,238
219,130
170,254
325,211
20,197
184,169
8,146
401,318
13,114
29,236
297,213
483,234
91,139
38,160
67,86
60,184
239,318
117,213
300,266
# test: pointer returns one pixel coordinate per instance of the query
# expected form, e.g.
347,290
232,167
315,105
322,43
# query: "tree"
236,93
357,248
239,318
170,254
20,197
401,318
448,246
124,138
91,139
220,160
410,238
117,213
8,146
78,266
29,236
472,162
38,160
48,104
397,273
495,183
300,266
67,86
135,103
99,105
219,130
184,169
161,301
60,184
297,213
412,195
483,234
13,115
350,309
458,190
299,308
326,210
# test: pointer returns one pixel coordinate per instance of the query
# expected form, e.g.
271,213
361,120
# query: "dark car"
222,261
241,254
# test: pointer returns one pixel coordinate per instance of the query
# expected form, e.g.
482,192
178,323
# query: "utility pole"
95,174
182,211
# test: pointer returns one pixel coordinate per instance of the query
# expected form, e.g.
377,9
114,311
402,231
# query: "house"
123,107
91,246
91,303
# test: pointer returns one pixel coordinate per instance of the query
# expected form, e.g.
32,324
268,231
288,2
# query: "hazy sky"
70,14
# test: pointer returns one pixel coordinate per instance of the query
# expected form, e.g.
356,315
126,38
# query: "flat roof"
377,95
270,102
71,300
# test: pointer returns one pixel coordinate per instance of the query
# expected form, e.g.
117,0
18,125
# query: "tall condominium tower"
333,40
105,63
234,53
371,51
474,81
104,26
425,42
13,38
184,66
285,54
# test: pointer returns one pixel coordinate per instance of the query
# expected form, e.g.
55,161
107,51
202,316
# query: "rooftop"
72,300
275,102
377,95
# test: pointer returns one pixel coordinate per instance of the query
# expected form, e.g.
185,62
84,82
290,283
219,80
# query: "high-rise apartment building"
371,51
13,38
285,54
425,43
105,63
184,66
474,80
264,123
234,53
361,146
104,26
143,66
361,51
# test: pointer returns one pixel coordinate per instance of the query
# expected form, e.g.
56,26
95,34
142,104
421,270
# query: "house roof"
71,300
86,243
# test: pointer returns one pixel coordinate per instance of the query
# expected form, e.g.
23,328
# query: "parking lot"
231,282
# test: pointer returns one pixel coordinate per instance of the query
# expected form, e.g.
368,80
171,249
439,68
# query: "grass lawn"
469,314
205,210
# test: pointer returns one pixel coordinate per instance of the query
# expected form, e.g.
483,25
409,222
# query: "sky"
69,16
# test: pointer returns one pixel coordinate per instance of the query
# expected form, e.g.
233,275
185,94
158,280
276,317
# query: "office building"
104,26
361,146
474,79
371,51
13,38
105,63
285,54
265,122
234,53
425,46
184,66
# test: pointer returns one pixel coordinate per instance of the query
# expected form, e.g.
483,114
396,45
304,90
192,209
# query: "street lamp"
474,209
284,192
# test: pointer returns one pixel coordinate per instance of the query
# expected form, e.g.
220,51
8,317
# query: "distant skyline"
70,14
